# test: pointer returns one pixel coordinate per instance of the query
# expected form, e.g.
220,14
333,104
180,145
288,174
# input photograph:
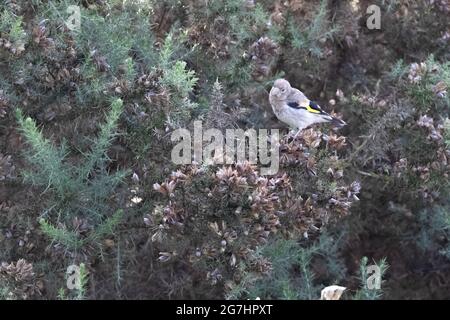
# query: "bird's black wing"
314,106
311,106
294,104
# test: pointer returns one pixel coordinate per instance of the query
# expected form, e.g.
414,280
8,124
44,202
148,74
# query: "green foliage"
97,157
80,192
447,132
47,158
366,293
4,292
167,51
398,71
435,224
168,100
11,26
284,254
130,70
80,290
95,85
222,47
62,294
293,263
179,80
113,47
309,37
71,239
107,227
244,23
67,238
427,84
293,275
83,280
113,43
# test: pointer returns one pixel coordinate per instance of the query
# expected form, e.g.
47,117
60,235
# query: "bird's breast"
291,117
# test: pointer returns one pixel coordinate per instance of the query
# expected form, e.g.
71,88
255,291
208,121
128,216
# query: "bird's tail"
336,122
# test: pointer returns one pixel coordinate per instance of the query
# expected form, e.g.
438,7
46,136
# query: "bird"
292,107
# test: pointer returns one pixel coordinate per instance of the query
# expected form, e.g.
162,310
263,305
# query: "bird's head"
280,89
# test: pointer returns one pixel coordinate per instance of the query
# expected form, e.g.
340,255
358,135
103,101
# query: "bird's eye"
283,90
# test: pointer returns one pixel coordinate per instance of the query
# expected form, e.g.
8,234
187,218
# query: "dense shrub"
86,177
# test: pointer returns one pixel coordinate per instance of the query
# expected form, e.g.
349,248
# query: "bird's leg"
297,134
291,132
289,135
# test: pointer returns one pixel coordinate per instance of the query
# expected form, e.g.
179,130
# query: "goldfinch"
292,107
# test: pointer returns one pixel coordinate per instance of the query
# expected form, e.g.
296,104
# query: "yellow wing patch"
308,108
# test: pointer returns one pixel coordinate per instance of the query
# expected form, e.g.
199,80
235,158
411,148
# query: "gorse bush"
377,189
215,220
11,26
293,276
109,52
17,280
178,82
12,35
308,38
427,83
80,195
79,282
373,292
230,30
403,148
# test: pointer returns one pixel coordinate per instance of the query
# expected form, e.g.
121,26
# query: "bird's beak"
275,92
